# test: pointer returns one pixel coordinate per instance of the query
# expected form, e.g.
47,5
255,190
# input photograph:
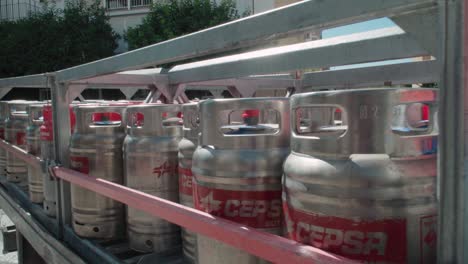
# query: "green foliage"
54,39
172,18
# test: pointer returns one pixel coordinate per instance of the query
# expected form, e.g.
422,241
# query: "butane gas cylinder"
365,189
35,120
187,147
238,167
48,154
96,149
15,133
150,165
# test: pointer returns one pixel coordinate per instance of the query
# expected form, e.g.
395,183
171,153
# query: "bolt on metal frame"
427,28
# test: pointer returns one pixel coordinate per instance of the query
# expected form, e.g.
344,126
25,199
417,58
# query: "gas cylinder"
3,117
15,133
187,147
47,155
150,166
365,190
96,149
35,120
237,168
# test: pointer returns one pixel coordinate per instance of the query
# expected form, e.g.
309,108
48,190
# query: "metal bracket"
129,92
153,95
164,89
74,91
245,89
421,27
217,93
4,92
290,91
234,92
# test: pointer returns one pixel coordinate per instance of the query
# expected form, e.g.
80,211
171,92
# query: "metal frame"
40,238
243,237
46,245
128,82
381,44
395,74
452,177
299,17
30,81
435,28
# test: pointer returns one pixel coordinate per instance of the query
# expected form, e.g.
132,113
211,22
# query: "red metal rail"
21,153
267,246
264,245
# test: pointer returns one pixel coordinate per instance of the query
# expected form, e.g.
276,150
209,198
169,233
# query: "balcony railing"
136,3
17,10
126,4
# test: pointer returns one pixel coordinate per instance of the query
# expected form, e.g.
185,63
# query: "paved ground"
10,258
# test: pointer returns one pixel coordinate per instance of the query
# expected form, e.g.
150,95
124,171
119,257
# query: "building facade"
123,13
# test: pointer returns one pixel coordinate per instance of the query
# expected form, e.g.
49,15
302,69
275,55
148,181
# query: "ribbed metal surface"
150,162
15,133
365,189
187,147
35,181
238,166
47,154
96,149
3,117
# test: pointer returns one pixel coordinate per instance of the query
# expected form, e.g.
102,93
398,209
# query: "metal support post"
61,100
452,182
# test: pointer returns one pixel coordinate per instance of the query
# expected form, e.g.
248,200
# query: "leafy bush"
54,39
172,18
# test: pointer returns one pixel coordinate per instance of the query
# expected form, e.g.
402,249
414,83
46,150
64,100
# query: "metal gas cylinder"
47,155
187,147
15,133
150,165
366,189
96,149
35,120
238,166
3,117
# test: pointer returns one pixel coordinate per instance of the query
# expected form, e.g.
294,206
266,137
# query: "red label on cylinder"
2,133
20,138
166,168
258,209
80,164
45,134
371,241
185,181
428,238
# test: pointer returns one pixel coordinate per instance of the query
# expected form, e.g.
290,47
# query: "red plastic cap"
106,116
425,112
72,119
47,125
250,113
47,113
140,118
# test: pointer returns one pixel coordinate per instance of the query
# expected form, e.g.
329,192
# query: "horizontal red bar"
267,246
21,153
